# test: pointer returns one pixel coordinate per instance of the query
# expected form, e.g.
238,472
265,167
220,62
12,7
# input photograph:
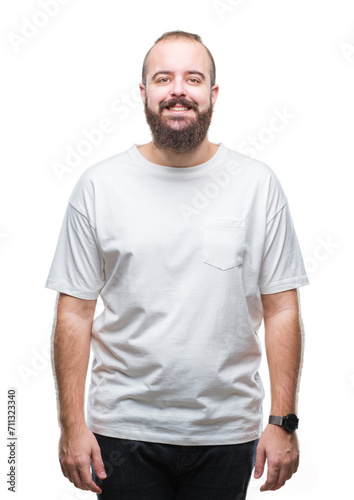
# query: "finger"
66,472
75,478
272,477
291,471
82,475
86,481
72,472
63,469
260,462
282,477
97,462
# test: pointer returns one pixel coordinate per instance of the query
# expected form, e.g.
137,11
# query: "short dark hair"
181,34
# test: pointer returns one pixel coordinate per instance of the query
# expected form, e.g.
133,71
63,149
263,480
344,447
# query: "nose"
178,89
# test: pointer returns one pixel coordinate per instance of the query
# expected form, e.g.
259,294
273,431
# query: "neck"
202,154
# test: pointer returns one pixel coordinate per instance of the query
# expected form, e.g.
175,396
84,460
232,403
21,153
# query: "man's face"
178,99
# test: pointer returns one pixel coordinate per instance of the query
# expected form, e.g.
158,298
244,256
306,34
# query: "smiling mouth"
178,109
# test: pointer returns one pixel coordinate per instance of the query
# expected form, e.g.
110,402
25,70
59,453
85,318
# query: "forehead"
178,56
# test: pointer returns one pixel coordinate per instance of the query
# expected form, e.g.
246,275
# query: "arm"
283,347
71,346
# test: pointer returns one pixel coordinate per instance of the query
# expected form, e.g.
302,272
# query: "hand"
282,453
76,447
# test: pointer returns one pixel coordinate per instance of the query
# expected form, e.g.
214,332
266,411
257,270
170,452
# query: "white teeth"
178,108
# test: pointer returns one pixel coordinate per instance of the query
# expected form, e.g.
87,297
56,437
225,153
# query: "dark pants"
140,470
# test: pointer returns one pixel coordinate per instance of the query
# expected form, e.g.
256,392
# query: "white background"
76,70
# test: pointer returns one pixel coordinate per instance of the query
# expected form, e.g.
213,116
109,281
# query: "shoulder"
249,165
96,176
107,166
258,177
253,169
93,183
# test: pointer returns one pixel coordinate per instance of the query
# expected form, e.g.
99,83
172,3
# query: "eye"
194,80
161,80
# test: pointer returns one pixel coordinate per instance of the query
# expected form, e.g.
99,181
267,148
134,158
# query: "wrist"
288,422
69,425
279,409
274,432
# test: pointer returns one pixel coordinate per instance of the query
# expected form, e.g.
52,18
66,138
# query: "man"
190,245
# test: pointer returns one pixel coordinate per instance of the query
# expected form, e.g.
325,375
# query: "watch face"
291,422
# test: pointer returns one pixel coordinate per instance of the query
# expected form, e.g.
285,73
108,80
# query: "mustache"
173,102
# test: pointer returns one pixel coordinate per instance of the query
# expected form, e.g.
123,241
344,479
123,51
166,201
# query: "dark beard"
185,139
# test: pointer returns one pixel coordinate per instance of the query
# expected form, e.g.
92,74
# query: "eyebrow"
166,72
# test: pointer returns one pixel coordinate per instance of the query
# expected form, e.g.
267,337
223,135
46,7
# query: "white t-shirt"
179,257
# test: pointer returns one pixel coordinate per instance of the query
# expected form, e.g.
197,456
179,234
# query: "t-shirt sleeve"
78,267
282,265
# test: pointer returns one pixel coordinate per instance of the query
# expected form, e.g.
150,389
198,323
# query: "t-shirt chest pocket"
224,242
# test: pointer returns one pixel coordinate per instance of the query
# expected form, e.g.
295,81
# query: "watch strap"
276,420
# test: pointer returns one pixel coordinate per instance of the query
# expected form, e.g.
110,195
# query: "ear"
214,93
142,92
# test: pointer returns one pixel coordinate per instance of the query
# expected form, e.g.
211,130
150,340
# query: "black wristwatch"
290,422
